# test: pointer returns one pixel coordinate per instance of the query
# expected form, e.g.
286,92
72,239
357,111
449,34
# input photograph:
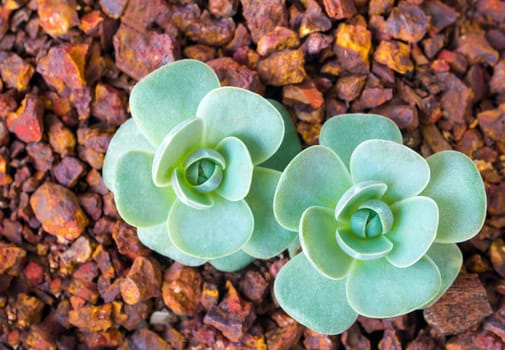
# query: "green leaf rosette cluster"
378,224
192,169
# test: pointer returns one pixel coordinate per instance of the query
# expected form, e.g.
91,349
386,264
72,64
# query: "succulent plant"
187,169
378,224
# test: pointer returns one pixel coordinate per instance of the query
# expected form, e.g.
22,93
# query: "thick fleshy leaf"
187,195
378,289
212,233
127,138
414,230
404,171
138,200
231,263
313,300
357,194
343,133
239,169
449,260
317,237
231,111
315,177
183,139
269,238
457,188
363,248
169,95
290,145
157,239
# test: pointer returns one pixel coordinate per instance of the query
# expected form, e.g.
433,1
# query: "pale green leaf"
363,248
343,133
315,177
187,195
239,169
157,239
169,95
404,171
269,238
315,301
290,145
127,138
357,194
449,260
231,111
231,263
212,233
180,142
317,237
414,230
457,188
378,289
138,200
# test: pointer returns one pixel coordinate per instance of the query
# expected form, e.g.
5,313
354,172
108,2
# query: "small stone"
210,30
57,16
92,204
223,8
210,295
372,97
306,94
279,39
407,22
182,289
433,45
405,116
138,54
353,44
456,100
315,43
61,138
263,16
282,68
125,237
492,122
463,305
146,339
200,52
11,258
497,256
142,282
442,15
284,338
316,341
69,171
476,47
395,55
27,122
309,132
41,155
113,8
434,138
497,83
28,310
58,210
339,9
231,73
390,341
254,286
313,20
16,73
92,318
353,339
109,105
379,7
232,316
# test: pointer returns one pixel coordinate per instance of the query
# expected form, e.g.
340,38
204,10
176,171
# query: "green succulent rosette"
187,171
378,224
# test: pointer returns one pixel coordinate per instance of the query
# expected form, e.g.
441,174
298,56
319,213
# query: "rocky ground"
74,276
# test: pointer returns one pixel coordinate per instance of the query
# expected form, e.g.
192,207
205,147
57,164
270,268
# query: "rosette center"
203,170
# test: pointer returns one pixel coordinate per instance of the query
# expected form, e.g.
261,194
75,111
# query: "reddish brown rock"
476,47
316,341
309,132
372,97
407,22
306,94
353,339
497,255
92,204
379,7
146,339
390,341
284,338
263,16
200,52
57,16
58,211
27,122
339,9
462,306
138,54
442,15
69,171
254,286
313,21
232,316
211,31
142,282
109,105
223,8
126,239
282,68
349,88
497,83
395,55
279,39
456,100
210,295
496,199
315,43
11,258
492,123
405,116
16,73
41,155
28,310
353,44
182,289
231,73
433,45
493,9
434,138
92,318
113,8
